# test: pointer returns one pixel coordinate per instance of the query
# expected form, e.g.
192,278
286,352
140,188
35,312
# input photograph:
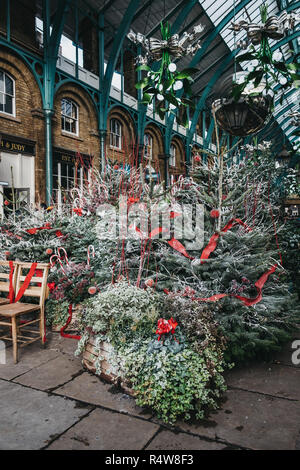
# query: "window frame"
65,116
13,96
148,137
114,135
172,159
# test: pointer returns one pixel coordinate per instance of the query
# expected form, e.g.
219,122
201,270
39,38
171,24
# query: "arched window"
115,134
69,116
148,143
7,94
172,160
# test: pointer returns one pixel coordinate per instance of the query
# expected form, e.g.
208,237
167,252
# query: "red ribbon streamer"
33,231
11,293
212,244
246,301
179,247
66,335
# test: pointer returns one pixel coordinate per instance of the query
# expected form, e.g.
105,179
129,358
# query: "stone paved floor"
49,402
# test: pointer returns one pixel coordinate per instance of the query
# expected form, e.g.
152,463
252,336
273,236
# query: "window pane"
1,81
9,105
1,102
9,87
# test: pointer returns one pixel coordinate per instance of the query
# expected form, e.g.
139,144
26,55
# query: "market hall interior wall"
28,122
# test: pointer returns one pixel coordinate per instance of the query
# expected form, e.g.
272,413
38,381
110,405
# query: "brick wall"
28,122
128,152
87,141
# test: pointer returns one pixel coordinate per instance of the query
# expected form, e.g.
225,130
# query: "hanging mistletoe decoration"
161,83
267,68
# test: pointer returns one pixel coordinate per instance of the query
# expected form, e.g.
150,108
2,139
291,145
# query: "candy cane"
65,256
90,252
57,260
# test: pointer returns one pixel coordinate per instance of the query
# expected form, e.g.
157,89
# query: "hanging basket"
245,116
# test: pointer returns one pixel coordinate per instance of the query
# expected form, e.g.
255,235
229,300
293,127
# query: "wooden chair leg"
42,326
14,338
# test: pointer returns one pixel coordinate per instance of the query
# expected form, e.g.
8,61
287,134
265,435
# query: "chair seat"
4,301
12,310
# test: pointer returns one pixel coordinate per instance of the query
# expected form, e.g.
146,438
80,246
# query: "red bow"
165,326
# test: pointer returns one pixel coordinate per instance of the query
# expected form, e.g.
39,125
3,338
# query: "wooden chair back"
4,276
38,284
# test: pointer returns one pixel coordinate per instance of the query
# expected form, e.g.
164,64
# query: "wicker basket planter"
108,373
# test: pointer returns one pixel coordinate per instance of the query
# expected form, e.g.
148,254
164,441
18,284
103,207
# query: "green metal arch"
24,57
65,81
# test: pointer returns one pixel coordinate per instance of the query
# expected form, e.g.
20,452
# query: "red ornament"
58,233
78,211
224,197
92,290
214,214
7,254
49,251
32,231
116,167
149,282
197,159
6,203
51,286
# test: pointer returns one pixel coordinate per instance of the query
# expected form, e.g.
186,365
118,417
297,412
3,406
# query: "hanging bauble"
214,214
197,158
149,282
243,116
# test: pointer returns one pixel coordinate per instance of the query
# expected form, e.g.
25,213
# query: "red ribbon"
11,293
179,247
66,335
26,283
212,244
33,231
246,301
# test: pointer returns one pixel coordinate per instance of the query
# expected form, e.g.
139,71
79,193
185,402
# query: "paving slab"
252,421
167,440
105,430
272,379
52,374
89,388
63,345
30,357
31,418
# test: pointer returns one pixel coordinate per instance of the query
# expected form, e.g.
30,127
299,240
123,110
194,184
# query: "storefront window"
67,176
7,94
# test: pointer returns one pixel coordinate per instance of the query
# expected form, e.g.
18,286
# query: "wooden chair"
4,280
10,314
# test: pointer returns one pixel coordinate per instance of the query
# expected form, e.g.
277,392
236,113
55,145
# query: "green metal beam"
51,45
198,56
201,102
114,55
